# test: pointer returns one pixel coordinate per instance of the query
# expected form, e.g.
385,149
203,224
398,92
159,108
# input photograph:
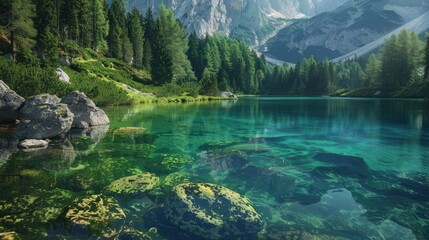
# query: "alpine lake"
312,168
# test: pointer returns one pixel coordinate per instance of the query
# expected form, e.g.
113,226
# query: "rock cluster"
47,116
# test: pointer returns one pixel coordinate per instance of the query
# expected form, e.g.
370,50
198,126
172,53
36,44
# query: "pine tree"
149,25
195,54
127,49
176,42
116,29
372,71
16,16
100,25
135,30
426,75
209,83
162,61
47,28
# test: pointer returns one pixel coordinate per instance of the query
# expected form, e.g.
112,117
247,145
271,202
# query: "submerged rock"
95,214
45,121
133,185
33,143
224,159
211,211
344,160
10,103
129,130
277,185
9,236
132,234
173,180
172,162
86,113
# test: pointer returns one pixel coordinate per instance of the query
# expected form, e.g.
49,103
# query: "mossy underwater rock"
220,159
211,211
9,236
133,185
173,180
95,214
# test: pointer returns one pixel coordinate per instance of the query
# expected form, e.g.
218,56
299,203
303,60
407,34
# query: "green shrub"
29,80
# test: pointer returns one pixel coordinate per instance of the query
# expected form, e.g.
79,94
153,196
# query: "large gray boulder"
10,102
45,121
86,114
42,99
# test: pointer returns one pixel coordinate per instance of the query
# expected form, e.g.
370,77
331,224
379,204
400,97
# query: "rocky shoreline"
44,117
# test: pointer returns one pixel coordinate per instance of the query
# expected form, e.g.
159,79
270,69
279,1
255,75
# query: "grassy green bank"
415,90
105,80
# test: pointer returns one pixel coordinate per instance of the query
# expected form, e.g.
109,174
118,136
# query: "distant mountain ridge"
349,27
248,20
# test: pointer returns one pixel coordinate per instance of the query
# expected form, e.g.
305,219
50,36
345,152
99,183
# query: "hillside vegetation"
119,58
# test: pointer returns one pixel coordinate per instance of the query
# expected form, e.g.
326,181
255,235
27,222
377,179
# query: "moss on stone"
205,209
95,213
173,180
133,185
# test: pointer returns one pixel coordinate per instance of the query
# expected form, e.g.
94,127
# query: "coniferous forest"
105,47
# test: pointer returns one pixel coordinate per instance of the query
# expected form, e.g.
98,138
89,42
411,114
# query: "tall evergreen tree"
426,75
162,62
16,16
100,25
209,83
372,71
176,42
149,26
195,54
135,30
116,29
47,28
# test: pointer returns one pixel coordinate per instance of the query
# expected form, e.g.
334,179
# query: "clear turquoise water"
339,168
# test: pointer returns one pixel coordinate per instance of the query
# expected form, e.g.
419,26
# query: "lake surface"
333,168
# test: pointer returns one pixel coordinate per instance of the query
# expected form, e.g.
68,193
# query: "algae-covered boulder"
211,211
133,185
129,130
86,113
132,234
173,180
45,121
95,214
172,162
9,236
10,102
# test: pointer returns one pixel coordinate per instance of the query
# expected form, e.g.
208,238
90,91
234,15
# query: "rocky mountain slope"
249,20
335,33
